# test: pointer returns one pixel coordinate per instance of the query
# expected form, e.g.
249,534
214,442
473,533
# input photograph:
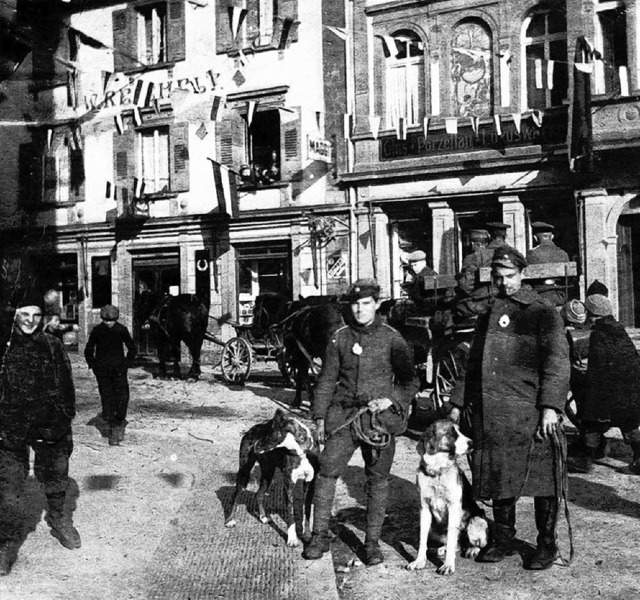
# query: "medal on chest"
504,321
357,349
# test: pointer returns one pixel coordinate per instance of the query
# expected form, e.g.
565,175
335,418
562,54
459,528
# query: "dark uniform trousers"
338,450
51,468
114,392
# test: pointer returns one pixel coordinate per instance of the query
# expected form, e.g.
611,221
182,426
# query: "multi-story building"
180,146
462,114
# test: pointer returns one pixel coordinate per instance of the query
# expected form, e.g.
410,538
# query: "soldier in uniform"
498,234
417,289
547,252
481,255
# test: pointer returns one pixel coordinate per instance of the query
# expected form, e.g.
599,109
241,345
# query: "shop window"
100,281
546,57
611,41
471,70
148,34
404,85
154,159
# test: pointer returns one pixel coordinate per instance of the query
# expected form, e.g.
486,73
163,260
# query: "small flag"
537,116
202,132
390,43
451,126
401,128
149,94
251,109
215,107
496,120
156,105
550,66
475,123
517,118
49,137
225,184
107,191
624,80
138,187
348,126
72,143
76,137
318,120
584,67
236,17
287,115
341,32
374,125
137,92
538,72
137,116
119,124
425,126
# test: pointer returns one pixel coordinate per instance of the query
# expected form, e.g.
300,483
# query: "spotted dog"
286,443
446,498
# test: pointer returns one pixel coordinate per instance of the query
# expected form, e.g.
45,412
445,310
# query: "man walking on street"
366,385
515,389
104,354
37,405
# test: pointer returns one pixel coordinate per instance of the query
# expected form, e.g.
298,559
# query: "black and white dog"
446,499
286,443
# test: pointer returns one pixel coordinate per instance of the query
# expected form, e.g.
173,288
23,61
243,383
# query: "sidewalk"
150,512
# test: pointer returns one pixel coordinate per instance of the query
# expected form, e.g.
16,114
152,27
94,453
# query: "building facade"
178,146
463,113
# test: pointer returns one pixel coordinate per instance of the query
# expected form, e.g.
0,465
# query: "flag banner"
215,108
517,118
425,127
538,72
137,92
319,120
156,106
225,184
475,122
49,137
550,67
138,187
584,67
348,126
537,116
76,139
401,128
391,46
451,126
107,191
341,32
119,124
624,80
202,132
374,125
137,116
288,115
496,120
236,16
580,132
87,40
251,109
148,94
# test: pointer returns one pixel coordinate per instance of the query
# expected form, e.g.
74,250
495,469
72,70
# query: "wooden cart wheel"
444,378
571,410
236,361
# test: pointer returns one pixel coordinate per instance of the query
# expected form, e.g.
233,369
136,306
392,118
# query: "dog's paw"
441,552
292,537
265,519
231,523
471,552
446,569
417,564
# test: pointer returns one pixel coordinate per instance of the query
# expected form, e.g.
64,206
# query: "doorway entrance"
154,276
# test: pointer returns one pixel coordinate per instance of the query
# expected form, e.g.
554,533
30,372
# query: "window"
100,281
154,159
267,9
263,148
546,58
611,41
152,34
404,93
471,70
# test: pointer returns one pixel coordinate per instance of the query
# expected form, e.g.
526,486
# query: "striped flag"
226,190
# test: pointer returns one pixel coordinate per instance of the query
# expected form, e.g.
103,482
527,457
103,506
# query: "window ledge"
156,67
157,196
52,205
251,187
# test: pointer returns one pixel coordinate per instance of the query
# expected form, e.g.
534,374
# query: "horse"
175,319
307,335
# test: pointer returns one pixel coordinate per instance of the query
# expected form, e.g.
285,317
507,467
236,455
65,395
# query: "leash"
379,439
559,446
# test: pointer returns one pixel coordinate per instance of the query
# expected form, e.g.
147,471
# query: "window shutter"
251,23
175,41
76,177
223,26
179,157
125,39
48,43
230,134
29,174
288,9
290,149
123,169
50,175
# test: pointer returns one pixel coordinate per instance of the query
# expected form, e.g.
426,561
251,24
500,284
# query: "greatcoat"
518,364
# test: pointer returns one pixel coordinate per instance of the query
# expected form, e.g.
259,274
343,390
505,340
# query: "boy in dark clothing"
104,354
37,406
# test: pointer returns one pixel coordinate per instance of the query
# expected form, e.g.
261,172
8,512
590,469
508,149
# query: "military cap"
598,305
109,312
495,226
509,257
541,227
31,298
597,287
478,235
363,288
416,256
575,312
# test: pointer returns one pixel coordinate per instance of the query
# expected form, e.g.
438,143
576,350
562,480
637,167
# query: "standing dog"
286,443
446,497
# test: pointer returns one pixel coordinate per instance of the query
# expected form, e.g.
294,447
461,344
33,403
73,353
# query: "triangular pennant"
623,74
517,118
584,67
319,120
374,125
137,116
287,115
550,67
401,128
251,109
538,72
341,32
215,108
496,120
451,126
156,105
119,124
537,116
107,191
236,17
49,137
76,138
138,187
425,127
390,44
475,122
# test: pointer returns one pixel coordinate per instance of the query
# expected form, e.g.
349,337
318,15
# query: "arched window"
546,57
471,70
404,94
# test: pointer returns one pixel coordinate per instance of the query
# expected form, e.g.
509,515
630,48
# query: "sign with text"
319,149
552,131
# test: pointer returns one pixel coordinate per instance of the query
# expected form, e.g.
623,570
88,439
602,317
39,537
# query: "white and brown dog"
446,498
290,445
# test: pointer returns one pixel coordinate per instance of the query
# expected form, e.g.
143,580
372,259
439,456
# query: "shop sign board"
552,131
319,149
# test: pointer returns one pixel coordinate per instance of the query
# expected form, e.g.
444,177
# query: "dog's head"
444,437
290,433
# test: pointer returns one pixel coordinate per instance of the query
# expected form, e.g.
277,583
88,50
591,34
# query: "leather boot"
322,504
501,545
114,439
546,510
61,526
378,493
583,463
